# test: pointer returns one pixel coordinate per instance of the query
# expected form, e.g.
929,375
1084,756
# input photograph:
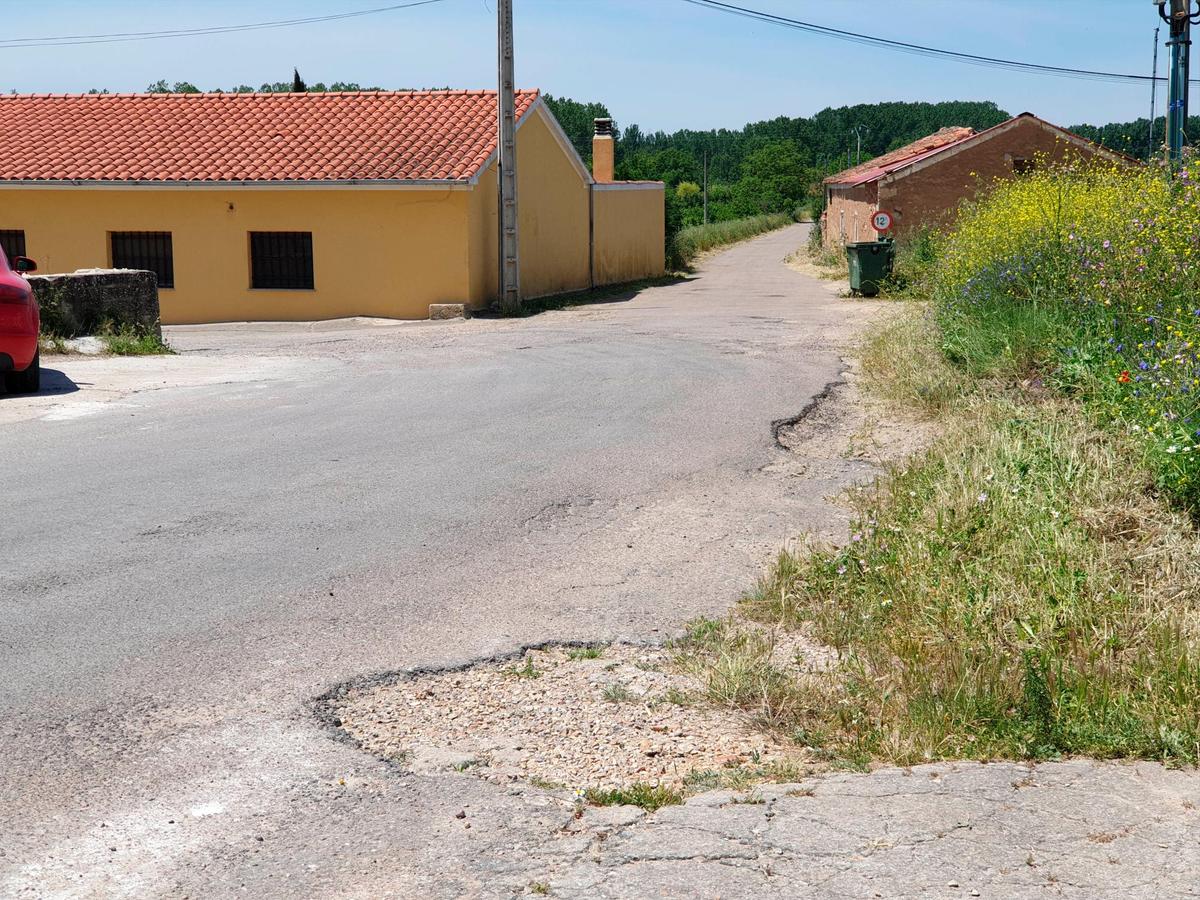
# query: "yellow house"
254,207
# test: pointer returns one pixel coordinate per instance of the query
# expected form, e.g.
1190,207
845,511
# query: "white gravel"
578,723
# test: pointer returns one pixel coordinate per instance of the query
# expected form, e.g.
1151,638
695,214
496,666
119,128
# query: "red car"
19,326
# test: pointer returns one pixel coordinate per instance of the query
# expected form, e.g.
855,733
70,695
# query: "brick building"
923,183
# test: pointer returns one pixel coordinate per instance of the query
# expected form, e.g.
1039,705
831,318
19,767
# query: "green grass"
649,797
576,654
129,340
526,671
617,693
743,777
690,242
1017,591
125,340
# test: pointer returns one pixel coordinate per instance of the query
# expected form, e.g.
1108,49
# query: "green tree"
298,85
773,180
578,121
179,87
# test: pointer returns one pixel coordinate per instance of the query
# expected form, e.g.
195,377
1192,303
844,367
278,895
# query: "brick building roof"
949,138
903,156
370,136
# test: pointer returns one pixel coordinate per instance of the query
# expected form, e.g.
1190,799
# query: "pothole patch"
562,717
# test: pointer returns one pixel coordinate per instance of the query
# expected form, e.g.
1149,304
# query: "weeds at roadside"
1017,591
737,668
743,777
594,651
694,240
617,693
128,340
650,797
526,671
679,697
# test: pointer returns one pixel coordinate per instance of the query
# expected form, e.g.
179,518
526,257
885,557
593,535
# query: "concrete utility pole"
858,130
1180,19
509,264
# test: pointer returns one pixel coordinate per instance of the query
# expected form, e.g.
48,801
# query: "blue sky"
661,63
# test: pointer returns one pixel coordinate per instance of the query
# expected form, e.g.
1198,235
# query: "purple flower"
1107,245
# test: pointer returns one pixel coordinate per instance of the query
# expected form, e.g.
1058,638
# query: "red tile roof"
906,155
405,136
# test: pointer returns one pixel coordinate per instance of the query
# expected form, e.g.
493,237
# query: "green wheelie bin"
870,265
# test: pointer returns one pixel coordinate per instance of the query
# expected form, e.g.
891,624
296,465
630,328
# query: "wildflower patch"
1092,277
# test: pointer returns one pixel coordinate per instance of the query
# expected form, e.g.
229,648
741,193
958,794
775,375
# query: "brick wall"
847,216
931,195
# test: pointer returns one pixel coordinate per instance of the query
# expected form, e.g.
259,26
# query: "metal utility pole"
1153,97
509,264
1180,20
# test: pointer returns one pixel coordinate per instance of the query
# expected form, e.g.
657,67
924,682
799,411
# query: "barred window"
281,260
149,250
12,243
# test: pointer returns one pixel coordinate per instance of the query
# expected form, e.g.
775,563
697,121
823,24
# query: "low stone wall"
85,301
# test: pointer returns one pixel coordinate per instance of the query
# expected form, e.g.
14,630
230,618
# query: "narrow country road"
186,567
197,547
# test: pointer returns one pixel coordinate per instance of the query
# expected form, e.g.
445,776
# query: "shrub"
690,242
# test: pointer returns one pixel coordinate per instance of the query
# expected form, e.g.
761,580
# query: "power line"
919,49
70,40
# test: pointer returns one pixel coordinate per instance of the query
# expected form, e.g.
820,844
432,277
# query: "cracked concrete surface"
205,559
1076,829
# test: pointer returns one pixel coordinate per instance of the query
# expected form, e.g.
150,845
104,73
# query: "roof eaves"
996,130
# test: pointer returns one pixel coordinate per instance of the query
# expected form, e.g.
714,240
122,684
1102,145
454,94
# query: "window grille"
149,250
281,260
12,243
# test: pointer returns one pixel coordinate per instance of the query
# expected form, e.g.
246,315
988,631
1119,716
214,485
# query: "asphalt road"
197,547
188,563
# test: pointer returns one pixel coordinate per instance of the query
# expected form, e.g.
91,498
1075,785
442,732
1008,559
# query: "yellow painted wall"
375,252
630,243
552,211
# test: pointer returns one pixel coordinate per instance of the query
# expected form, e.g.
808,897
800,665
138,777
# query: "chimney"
602,152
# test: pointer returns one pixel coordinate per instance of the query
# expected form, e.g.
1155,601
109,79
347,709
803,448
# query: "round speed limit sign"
882,221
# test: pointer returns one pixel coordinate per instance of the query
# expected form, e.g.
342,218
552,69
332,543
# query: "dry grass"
1016,591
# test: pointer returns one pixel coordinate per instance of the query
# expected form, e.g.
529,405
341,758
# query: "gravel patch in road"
624,717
